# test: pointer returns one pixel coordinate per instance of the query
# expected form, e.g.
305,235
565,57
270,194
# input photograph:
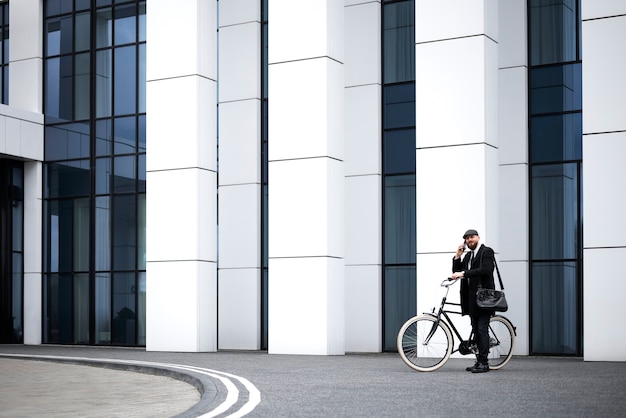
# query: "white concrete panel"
604,84
306,306
181,306
513,116
604,200
602,8
306,110
305,29
363,220
240,142
25,19
188,46
513,227
3,134
512,33
436,20
603,292
239,226
233,12
23,92
239,309
13,129
363,309
458,197
32,308
240,62
306,208
181,214
363,44
181,123
33,186
363,126
31,140
456,81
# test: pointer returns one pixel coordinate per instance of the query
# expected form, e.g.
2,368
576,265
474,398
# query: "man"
477,270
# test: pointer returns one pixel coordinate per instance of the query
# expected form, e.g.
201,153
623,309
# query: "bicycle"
425,342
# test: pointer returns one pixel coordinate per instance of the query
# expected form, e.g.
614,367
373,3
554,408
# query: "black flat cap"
470,232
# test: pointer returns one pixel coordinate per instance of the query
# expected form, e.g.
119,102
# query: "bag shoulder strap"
498,271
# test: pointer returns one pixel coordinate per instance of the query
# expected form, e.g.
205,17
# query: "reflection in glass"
400,301
124,232
81,309
399,151
552,31
124,135
125,80
103,175
125,24
102,239
400,219
555,307
104,28
554,211
83,30
57,309
81,234
141,309
556,88
399,42
556,137
103,83
124,311
82,77
124,177
103,308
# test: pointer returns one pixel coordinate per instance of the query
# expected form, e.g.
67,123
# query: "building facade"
296,176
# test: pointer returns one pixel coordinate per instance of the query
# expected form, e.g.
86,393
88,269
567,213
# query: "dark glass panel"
82,4
141,133
124,177
82,34
53,37
5,83
102,233
67,179
103,3
53,7
400,301
125,25
141,87
81,234
67,141
59,236
556,138
125,81
6,45
67,35
399,220
553,27
399,151
141,232
57,308
103,308
142,21
81,309
104,28
124,311
141,173
124,232
104,82
16,297
399,42
556,88
104,139
124,135
554,308
82,77
554,211
141,309
53,71
103,175
399,106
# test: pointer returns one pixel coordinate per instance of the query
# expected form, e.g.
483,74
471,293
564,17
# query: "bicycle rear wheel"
501,340
420,352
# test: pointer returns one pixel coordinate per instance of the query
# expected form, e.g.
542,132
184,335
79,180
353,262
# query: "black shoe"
470,368
480,368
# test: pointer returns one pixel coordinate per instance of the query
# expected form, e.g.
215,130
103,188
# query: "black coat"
481,274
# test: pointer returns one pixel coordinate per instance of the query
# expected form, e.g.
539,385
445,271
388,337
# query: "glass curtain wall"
555,152
94,172
264,169
4,53
399,274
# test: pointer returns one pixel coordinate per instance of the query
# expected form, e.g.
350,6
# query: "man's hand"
457,275
460,250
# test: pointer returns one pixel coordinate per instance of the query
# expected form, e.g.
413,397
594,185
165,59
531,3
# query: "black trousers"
480,326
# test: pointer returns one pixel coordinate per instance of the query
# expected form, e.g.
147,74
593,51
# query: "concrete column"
363,125
181,176
456,133
306,177
604,203
240,176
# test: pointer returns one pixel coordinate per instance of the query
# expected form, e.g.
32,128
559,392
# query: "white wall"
604,182
181,205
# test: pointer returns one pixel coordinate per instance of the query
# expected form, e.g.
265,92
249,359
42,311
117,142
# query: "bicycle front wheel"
501,340
424,343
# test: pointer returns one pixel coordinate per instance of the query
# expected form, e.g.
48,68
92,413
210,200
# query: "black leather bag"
492,299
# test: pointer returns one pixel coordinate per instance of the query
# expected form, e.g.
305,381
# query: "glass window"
142,79
557,88
399,151
81,309
124,177
82,78
57,308
125,24
124,232
103,308
141,309
102,233
556,137
67,179
124,311
82,36
141,232
400,301
67,141
141,173
400,219
554,211
124,135
104,28
104,82
103,137
553,25
399,42
142,21
103,175
399,106
125,81
141,133
554,308
81,234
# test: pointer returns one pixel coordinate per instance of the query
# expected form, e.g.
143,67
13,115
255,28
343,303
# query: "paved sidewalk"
368,385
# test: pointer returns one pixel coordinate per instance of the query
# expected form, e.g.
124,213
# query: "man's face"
472,241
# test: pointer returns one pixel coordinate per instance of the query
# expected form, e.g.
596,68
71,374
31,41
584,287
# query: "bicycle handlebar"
448,282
